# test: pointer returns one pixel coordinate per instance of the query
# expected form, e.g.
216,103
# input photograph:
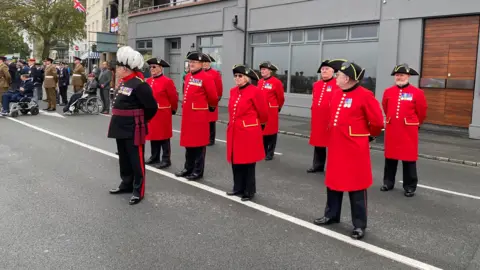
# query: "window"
313,35
259,38
364,54
212,45
145,48
277,55
176,44
338,33
297,36
279,37
106,14
364,31
305,63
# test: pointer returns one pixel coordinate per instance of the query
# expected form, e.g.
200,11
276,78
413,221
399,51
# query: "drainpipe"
245,32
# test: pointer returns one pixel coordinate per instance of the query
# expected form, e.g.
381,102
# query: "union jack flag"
78,6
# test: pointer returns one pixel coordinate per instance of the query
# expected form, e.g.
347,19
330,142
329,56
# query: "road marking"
329,233
449,192
218,140
52,114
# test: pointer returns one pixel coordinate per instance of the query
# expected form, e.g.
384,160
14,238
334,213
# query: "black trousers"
105,96
195,159
244,179
269,143
213,128
319,158
358,205
63,93
132,166
162,147
410,178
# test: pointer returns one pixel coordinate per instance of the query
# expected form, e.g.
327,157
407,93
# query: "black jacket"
135,94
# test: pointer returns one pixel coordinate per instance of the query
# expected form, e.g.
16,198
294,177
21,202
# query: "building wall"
400,34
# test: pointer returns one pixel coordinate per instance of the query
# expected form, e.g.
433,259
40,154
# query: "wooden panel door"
450,55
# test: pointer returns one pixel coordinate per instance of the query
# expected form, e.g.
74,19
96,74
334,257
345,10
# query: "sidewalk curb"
381,148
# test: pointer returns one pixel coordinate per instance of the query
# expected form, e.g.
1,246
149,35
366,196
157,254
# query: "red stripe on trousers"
140,153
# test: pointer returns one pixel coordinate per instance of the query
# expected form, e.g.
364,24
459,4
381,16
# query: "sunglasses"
238,76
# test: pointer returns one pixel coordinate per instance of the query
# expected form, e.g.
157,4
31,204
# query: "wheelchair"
24,106
88,103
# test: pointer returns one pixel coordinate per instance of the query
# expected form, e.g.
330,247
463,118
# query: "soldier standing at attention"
199,98
323,90
274,95
50,84
78,78
355,117
160,127
405,108
5,78
217,78
133,107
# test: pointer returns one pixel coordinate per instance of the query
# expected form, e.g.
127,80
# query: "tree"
13,41
46,21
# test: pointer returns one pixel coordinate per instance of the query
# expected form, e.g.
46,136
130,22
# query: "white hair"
130,58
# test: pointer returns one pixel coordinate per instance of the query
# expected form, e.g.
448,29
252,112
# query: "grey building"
439,38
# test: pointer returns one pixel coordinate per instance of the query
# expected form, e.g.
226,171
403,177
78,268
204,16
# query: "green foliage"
46,21
12,41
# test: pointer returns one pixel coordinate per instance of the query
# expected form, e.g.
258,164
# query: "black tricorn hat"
198,56
268,65
352,70
211,58
335,64
242,69
404,69
49,59
158,61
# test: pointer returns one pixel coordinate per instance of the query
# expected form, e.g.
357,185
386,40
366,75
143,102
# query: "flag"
114,25
78,6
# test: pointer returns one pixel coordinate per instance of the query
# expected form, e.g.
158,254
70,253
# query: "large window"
212,45
145,47
278,55
298,53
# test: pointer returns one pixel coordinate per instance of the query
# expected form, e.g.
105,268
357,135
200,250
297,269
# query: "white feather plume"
128,56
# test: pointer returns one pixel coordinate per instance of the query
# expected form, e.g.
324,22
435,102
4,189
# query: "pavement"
434,143
57,170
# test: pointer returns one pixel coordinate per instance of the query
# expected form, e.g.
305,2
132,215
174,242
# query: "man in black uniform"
133,107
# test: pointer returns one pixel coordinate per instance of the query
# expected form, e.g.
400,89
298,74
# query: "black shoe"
116,153
358,233
134,200
164,164
193,176
268,158
211,143
314,170
233,193
247,198
385,188
182,173
152,161
325,221
120,191
409,193
46,109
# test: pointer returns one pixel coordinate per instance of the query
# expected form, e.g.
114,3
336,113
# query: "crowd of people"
345,118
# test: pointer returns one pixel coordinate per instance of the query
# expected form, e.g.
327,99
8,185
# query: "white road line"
218,140
329,233
52,114
449,192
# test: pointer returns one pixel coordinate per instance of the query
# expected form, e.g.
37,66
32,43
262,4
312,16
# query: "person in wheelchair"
90,88
15,95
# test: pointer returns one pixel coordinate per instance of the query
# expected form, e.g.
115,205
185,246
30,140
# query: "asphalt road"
57,213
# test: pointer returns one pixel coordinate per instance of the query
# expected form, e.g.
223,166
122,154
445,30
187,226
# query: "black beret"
404,69
3,58
157,61
242,69
25,72
76,58
352,70
49,59
268,65
198,56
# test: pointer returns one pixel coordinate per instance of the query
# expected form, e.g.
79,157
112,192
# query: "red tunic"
322,96
165,93
217,78
355,115
405,109
200,93
275,97
247,110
